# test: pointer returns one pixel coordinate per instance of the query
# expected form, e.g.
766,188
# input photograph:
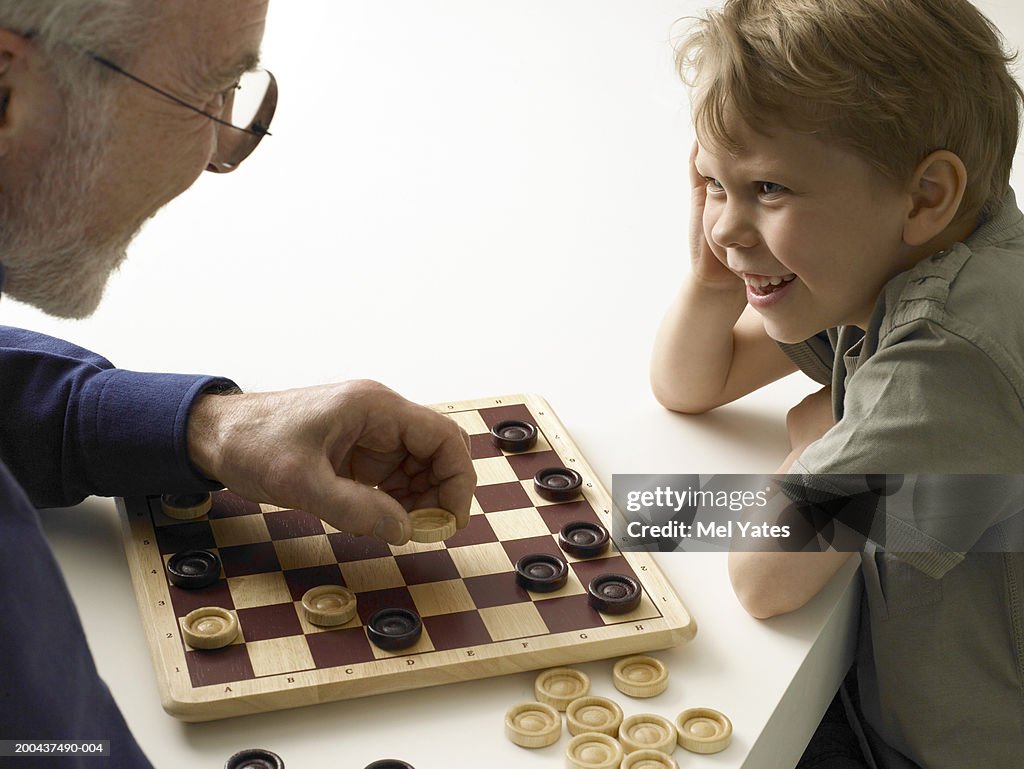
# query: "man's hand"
356,454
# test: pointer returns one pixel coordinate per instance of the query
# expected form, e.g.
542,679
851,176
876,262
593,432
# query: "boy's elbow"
670,397
758,593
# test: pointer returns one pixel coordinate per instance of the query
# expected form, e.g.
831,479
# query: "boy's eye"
713,184
770,188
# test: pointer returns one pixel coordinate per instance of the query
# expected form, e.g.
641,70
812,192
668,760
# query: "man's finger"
359,509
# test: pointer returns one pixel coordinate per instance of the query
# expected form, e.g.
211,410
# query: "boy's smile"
812,229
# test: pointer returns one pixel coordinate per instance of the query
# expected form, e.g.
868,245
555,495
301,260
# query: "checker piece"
541,572
209,627
254,758
583,539
593,750
393,629
703,730
193,569
533,725
389,763
431,524
558,687
613,594
185,507
328,605
557,484
514,435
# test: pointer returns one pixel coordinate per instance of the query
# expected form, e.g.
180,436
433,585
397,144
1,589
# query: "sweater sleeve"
71,424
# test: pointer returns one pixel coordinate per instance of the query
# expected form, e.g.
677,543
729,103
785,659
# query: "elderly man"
109,109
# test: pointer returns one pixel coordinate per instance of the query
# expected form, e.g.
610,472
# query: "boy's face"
793,208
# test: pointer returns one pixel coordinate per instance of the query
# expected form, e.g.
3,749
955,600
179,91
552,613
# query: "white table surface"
460,199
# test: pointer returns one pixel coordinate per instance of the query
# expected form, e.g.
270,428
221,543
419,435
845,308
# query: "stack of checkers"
329,605
602,737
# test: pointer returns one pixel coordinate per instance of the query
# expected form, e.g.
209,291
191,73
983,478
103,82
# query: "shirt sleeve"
73,425
932,404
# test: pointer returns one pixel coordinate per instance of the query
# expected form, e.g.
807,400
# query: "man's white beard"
49,261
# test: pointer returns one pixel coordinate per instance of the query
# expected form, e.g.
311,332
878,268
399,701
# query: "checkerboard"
477,621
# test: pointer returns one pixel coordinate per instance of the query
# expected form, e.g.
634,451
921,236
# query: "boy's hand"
705,267
356,454
810,419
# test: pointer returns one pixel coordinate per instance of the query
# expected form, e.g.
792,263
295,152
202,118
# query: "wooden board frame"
662,621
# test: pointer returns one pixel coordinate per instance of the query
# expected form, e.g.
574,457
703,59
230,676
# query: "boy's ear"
13,48
936,189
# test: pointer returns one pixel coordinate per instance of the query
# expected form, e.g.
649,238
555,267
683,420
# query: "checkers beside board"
477,621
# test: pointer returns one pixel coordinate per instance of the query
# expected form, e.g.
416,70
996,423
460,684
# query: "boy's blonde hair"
892,80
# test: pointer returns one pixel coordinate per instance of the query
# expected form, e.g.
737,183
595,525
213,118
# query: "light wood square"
474,508
280,655
572,586
518,524
646,610
372,574
300,552
470,421
309,627
240,530
493,470
415,547
446,597
517,620
424,644
477,560
267,508
538,501
259,590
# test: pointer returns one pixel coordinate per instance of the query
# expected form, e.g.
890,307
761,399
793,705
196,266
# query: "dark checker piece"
583,539
613,594
395,628
193,569
514,435
254,758
389,763
541,572
557,484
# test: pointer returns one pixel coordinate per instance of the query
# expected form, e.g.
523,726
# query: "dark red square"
497,414
301,580
389,598
336,648
196,535
556,516
228,505
477,532
185,601
455,631
571,612
288,524
502,496
588,570
219,666
277,620
256,558
527,465
348,548
495,590
432,566
482,447
517,548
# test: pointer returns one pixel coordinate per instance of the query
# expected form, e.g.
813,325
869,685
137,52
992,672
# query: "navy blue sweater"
72,425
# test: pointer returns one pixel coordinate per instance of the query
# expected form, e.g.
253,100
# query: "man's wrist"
204,433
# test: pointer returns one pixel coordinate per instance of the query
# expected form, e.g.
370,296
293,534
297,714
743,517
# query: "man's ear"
936,189
13,48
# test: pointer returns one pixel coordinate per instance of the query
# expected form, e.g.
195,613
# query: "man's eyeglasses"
242,121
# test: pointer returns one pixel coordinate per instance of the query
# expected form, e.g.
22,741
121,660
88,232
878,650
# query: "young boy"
852,218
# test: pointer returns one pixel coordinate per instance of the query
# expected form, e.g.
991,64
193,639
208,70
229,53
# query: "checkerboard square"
347,547
219,666
495,590
195,535
277,620
300,552
646,610
293,523
249,559
372,574
280,655
481,447
392,598
422,646
227,505
568,613
495,414
556,516
492,471
469,421
536,500
418,568
301,580
587,570
239,530
477,532
441,598
502,496
185,601
475,560
258,589
308,627
518,524
525,466
517,548
411,548
520,620
456,631
337,648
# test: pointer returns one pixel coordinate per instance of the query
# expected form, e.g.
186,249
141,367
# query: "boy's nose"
733,228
